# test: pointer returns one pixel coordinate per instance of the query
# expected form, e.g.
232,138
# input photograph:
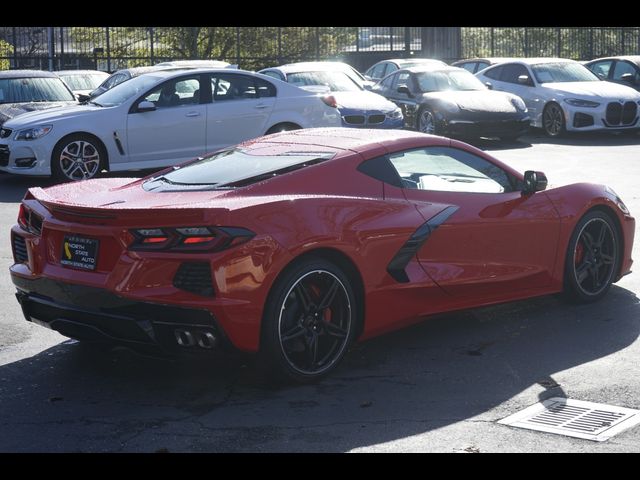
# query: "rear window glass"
232,169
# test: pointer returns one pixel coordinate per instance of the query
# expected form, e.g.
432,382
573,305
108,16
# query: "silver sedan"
562,95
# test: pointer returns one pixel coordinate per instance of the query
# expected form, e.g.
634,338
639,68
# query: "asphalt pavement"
440,386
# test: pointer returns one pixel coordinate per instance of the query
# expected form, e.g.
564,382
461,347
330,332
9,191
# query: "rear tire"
593,258
309,321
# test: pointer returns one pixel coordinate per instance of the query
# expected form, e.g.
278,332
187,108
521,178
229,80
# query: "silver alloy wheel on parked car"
79,157
426,122
553,120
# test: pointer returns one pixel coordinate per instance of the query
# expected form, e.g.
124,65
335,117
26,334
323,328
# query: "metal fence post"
558,40
317,43
492,42
108,49
279,45
238,46
61,64
622,39
151,41
407,39
590,43
50,47
14,34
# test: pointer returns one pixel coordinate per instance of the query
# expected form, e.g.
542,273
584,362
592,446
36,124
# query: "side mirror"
404,89
524,80
146,106
489,85
83,97
534,182
627,77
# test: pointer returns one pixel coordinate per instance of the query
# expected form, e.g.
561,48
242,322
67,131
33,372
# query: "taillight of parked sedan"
189,239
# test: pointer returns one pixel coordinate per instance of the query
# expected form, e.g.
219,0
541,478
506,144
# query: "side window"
264,88
481,66
512,71
391,68
601,69
387,83
233,87
115,80
273,74
403,78
621,68
175,92
379,71
494,73
450,170
468,66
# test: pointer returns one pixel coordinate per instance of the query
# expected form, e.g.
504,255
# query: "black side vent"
194,277
19,249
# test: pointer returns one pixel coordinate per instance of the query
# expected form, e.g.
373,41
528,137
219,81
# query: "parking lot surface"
440,386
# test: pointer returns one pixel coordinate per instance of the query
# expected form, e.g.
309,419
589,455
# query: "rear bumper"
89,313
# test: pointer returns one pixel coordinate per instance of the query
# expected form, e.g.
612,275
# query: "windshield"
336,81
562,72
126,90
235,168
448,80
82,81
33,89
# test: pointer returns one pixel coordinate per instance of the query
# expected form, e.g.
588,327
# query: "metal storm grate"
575,418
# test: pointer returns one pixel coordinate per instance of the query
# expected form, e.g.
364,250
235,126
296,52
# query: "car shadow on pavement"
73,397
586,139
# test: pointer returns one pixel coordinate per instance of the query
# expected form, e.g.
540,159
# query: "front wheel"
553,120
309,321
592,258
427,122
77,157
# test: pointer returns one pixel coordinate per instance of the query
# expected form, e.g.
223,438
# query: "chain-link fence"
111,48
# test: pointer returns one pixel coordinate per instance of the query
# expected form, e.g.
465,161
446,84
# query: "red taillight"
155,239
189,239
23,219
330,100
194,240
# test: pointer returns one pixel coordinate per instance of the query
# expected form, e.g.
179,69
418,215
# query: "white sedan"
562,95
156,120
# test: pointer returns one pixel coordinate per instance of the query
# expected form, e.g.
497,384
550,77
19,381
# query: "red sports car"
297,244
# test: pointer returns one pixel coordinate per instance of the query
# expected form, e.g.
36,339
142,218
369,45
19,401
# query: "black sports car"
450,101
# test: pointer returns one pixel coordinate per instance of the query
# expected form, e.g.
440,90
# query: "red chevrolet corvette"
297,244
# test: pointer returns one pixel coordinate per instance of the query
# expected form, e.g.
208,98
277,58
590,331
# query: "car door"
492,241
407,102
171,133
508,81
240,110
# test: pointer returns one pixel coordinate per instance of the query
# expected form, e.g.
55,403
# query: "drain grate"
575,418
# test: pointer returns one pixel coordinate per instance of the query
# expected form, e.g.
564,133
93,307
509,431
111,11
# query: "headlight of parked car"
576,102
519,104
395,114
33,133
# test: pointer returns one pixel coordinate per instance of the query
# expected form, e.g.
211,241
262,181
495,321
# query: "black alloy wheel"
77,157
553,120
593,257
309,321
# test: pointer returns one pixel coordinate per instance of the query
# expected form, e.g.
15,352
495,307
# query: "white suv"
156,120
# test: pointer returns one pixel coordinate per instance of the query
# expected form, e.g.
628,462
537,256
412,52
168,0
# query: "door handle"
192,114
261,105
